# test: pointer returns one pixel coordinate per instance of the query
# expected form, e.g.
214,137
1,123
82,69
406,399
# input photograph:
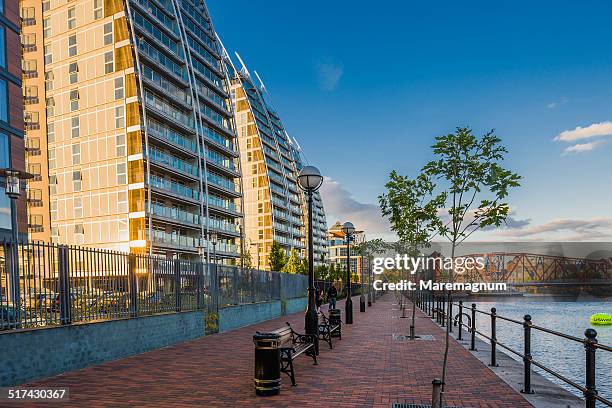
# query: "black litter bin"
335,319
267,363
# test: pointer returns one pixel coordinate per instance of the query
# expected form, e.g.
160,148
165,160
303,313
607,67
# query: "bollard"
493,339
527,356
473,337
267,364
436,393
460,337
591,389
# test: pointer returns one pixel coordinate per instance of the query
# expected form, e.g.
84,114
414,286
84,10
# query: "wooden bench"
328,330
293,345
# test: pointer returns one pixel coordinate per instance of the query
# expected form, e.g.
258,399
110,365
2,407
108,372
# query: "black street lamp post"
310,180
348,228
13,179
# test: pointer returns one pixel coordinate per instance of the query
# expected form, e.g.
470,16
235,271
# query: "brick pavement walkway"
368,368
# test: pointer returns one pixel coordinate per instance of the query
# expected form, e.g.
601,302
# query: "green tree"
246,259
303,269
278,257
475,189
412,209
294,263
322,272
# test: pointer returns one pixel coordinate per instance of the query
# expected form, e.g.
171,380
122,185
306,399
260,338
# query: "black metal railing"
44,284
437,306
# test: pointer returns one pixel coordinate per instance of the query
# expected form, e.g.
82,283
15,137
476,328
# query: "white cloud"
584,147
329,74
565,229
340,205
591,131
562,101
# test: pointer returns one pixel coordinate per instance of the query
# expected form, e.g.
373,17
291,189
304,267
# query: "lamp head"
348,228
310,179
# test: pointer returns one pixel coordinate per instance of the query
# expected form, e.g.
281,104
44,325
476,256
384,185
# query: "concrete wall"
247,314
45,352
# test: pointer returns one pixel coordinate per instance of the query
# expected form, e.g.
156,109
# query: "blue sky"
366,86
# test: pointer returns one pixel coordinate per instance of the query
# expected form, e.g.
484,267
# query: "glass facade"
274,206
138,137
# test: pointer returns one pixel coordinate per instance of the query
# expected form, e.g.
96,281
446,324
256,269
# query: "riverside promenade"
369,367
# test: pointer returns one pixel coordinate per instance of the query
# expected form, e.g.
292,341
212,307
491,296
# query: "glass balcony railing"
163,132
174,187
218,180
221,160
175,214
172,161
221,203
222,225
175,239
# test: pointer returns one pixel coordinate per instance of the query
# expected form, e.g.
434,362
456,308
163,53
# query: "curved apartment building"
274,206
136,135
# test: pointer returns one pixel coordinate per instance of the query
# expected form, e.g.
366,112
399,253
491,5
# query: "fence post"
63,273
443,310
473,330
450,314
253,288
527,356
493,338
200,270
177,284
133,295
235,285
460,336
589,346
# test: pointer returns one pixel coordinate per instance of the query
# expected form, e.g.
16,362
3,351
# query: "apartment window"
47,27
121,173
108,62
72,46
108,33
27,13
46,5
78,229
122,202
50,132
120,142
49,80
50,104
78,207
98,12
73,70
77,180
75,122
52,184
71,18
3,101
27,66
74,99
119,117
76,154
51,158
34,169
48,55
53,210
119,88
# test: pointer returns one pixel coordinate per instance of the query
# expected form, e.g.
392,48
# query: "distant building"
337,250
11,113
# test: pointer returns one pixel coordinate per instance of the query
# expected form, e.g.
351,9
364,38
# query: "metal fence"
438,307
45,284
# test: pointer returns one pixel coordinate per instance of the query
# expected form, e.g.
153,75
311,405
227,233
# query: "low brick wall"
45,352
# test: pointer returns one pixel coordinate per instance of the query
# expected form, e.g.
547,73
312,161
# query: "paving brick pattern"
368,368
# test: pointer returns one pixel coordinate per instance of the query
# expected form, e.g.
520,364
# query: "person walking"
332,295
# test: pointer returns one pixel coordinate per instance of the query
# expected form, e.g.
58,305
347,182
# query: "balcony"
35,202
30,100
32,125
29,47
35,228
30,74
28,21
